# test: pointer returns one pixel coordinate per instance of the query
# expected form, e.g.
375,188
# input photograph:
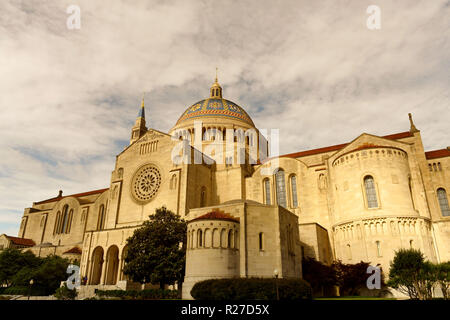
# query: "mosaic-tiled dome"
215,107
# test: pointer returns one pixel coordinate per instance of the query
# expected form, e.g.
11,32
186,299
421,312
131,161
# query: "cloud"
68,98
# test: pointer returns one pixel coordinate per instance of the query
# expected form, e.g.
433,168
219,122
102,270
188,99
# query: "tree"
320,276
157,251
351,277
64,293
443,278
411,275
12,261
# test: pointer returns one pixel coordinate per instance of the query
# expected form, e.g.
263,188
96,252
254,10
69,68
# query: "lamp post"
275,273
29,290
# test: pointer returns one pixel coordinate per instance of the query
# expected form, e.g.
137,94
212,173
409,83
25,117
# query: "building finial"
412,128
216,89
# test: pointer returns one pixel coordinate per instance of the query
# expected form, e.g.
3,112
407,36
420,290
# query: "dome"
215,107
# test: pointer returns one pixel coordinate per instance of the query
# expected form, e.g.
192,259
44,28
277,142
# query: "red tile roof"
216,215
395,136
21,241
73,195
74,250
437,154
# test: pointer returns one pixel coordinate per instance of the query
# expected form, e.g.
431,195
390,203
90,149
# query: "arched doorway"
122,263
97,263
112,265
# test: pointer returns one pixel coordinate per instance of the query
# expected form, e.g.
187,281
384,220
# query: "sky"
312,69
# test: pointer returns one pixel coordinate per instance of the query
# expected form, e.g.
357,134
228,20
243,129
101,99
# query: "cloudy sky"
313,69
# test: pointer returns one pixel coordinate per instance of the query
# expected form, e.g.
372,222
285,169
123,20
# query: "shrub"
251,289
24,291
321,277
147,294
64,293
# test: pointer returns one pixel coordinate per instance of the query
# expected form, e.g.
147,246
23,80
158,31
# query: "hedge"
251,289
24,291
147,294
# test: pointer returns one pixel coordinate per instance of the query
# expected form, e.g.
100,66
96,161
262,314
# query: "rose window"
146,183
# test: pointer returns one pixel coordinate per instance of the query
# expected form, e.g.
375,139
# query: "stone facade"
356,201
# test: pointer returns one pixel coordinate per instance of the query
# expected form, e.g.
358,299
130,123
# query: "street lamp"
29,290
275,273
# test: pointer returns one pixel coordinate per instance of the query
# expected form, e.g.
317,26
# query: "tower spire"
142,111
412,128
139,128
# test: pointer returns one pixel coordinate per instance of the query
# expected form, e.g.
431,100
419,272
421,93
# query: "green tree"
64,293
411,275
157,251
12,261
443,278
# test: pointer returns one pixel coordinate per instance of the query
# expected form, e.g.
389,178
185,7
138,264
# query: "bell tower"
139,128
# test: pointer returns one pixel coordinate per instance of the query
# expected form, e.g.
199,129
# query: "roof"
216,215
21,241
74,250
337,147
437,153
216,107
88,193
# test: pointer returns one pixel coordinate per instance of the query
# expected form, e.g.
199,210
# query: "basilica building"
251,214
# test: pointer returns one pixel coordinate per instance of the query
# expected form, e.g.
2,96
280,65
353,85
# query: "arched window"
101,217
294,191
378,248
69,224
371,193
261,241
65,219
443,202
58,218
173,182
199,239
267,191
203,197
349,252
230,239
281,188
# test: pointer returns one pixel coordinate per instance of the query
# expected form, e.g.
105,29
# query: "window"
294,191
101,217
281,188
199,239
411,243
267,191
69,224
58,217
230,239
443,202
349,252
261,241
378,248
203,197
371,193
65,219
